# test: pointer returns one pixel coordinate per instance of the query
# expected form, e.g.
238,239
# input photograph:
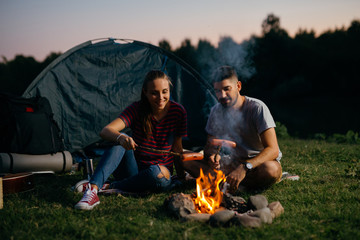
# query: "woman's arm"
178,148
111,132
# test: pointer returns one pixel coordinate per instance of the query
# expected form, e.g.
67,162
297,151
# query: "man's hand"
235,177
127,142
214,161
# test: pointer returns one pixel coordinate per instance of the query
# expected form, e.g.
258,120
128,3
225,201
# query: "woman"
156,123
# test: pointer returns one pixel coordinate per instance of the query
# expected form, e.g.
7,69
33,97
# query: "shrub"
281,131
349,137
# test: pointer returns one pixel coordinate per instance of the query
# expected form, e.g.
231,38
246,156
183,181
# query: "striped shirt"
164,132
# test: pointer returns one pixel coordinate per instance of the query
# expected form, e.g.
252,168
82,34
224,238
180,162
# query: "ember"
208,193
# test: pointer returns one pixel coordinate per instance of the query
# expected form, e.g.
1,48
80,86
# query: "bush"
350,137
281,131
320,136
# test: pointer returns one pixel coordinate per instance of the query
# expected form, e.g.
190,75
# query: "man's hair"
224,72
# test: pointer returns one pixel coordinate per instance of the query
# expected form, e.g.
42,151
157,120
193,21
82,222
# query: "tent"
90,84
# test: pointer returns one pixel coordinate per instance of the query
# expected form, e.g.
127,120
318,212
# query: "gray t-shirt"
243,127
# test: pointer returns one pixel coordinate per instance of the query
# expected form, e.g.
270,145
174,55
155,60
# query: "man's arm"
178,148
211,155
207,165
269,153
271,148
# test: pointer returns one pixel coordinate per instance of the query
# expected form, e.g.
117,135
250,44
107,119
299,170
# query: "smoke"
228,53
226,124
238,56
232,54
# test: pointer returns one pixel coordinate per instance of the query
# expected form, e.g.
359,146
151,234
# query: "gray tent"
89,85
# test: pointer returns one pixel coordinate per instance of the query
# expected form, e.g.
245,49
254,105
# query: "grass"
323,204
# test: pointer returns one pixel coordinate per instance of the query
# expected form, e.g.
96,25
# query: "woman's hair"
145,107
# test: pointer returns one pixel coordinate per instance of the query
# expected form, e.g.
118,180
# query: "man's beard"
223,101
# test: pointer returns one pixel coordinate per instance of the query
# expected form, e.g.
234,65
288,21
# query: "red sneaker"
81,187
89,200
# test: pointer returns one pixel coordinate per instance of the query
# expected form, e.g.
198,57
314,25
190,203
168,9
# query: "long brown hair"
145,107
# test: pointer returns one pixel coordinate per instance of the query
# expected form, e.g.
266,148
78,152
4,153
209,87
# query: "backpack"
27,126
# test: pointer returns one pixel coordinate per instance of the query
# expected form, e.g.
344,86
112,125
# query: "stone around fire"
198,217
264,214
220,218
276,209
246,221
258,201
180,205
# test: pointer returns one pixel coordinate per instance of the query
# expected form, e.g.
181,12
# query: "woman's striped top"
162,138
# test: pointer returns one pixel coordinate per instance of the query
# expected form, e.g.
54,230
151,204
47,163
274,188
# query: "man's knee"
263,175
270,170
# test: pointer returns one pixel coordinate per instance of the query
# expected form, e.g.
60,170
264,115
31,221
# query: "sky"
38,27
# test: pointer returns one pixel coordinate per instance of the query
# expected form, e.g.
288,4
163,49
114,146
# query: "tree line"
310,82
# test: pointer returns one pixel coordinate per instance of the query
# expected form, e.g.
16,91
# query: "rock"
258,202
198,217
221,209
246,221
220,218
180,205
264,214
276,209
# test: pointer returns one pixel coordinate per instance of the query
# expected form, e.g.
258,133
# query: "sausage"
222,143
191,156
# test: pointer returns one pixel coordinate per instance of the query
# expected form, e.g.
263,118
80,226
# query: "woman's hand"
127,142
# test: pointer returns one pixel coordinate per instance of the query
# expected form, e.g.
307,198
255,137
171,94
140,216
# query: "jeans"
122,164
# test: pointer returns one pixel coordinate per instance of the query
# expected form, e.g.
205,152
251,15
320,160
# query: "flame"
209,195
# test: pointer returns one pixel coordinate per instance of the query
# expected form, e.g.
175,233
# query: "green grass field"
323,204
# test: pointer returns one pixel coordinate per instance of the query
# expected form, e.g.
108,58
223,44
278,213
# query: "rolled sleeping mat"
17,163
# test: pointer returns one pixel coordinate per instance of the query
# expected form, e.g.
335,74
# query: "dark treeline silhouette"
17,74
311,83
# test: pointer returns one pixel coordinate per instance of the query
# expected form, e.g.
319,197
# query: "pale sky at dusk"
38,27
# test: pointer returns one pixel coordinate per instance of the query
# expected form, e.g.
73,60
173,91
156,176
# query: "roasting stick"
219,143
217,152
185,156
161,151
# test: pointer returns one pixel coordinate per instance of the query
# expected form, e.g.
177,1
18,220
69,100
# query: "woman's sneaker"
81,187
89,200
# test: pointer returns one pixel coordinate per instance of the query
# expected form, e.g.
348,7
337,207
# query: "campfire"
208,193
212,204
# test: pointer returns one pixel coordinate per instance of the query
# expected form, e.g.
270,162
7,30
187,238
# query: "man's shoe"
89,200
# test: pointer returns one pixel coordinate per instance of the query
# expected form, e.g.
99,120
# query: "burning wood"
208,193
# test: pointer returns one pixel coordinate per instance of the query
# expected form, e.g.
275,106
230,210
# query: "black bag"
27,126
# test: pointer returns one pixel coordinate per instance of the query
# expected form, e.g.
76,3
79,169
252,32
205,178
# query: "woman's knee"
164,172
161,175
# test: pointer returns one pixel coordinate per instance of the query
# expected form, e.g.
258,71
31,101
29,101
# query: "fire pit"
212,204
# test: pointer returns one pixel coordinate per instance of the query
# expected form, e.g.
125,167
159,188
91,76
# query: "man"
255,161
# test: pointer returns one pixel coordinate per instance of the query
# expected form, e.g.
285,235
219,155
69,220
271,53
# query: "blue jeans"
122,164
